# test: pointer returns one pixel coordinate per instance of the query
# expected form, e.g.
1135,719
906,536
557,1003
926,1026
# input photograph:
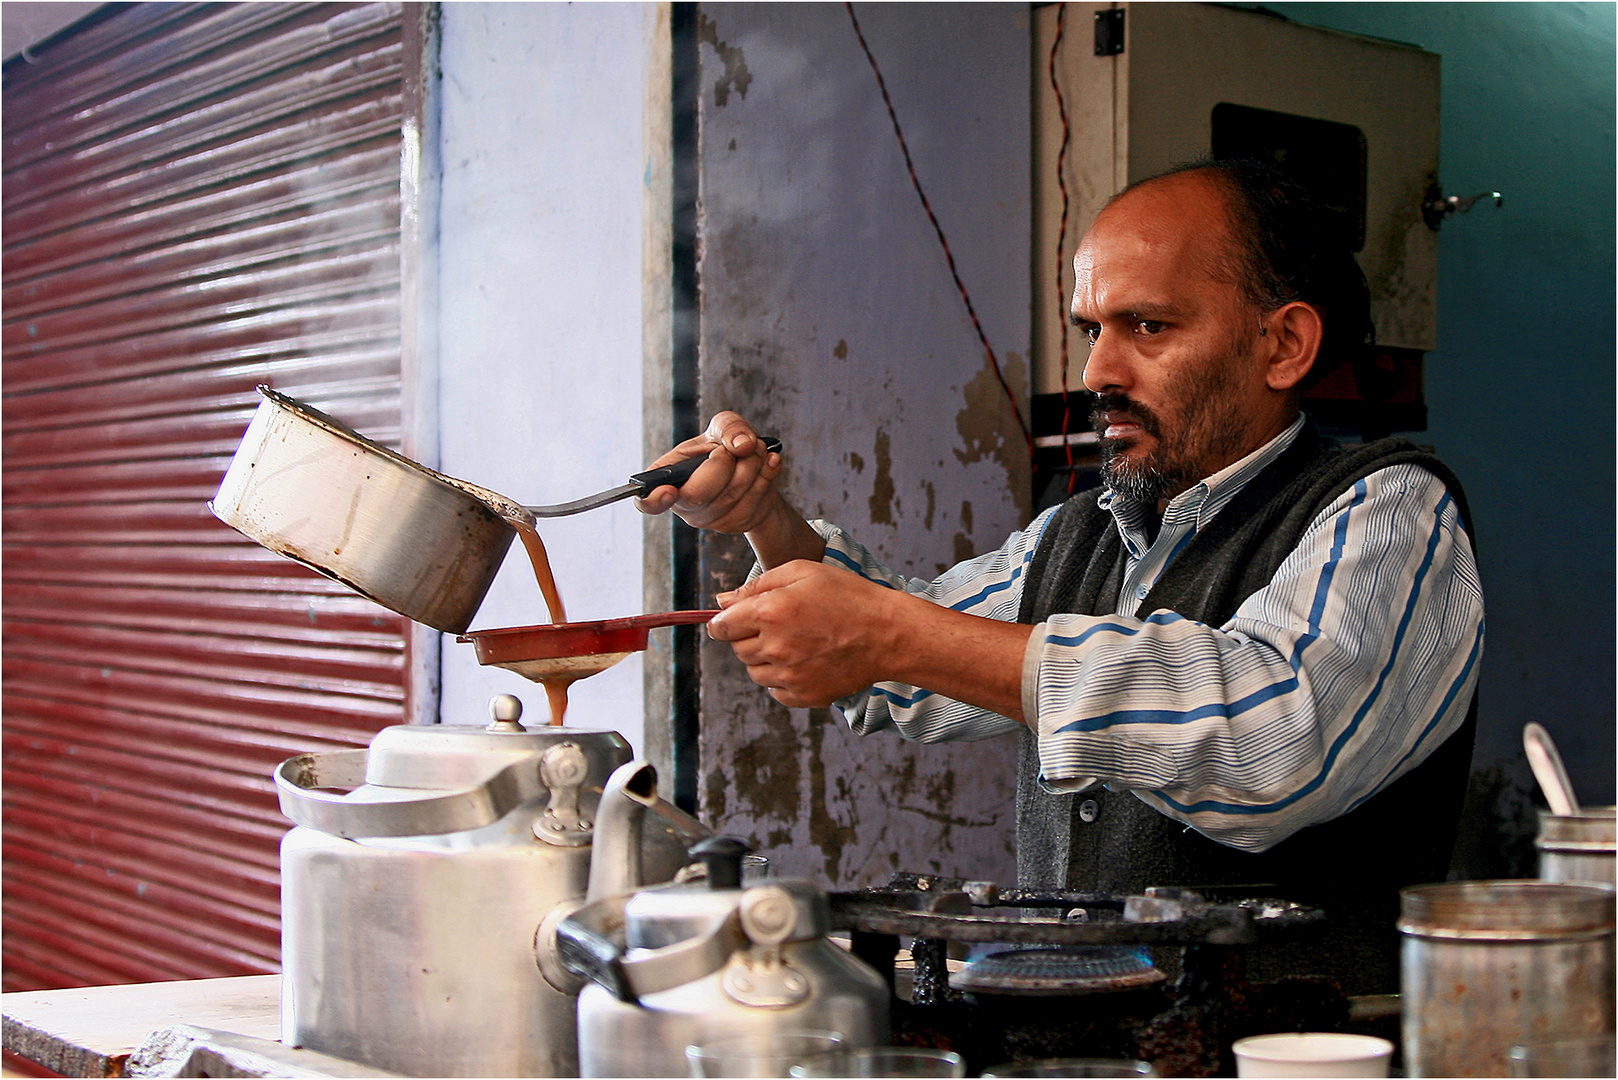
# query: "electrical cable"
939,230
1061,238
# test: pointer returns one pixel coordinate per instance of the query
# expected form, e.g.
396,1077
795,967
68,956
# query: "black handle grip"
678,473
585,950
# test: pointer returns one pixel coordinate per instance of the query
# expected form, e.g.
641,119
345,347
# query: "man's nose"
1106,368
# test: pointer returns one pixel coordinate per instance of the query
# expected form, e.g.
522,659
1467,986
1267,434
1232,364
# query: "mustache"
1125,406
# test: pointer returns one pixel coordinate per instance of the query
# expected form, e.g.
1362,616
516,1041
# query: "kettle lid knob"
505,710
722,857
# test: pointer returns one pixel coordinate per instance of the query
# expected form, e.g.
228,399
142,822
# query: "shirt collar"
1208,496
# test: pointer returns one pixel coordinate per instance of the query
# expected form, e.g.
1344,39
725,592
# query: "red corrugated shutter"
198,198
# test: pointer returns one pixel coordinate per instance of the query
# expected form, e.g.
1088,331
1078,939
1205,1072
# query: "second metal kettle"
688,963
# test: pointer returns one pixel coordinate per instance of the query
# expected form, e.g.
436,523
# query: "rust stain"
988,427
825,833
883,500
964,547
932,504
767,769
856,461
840,350
736,76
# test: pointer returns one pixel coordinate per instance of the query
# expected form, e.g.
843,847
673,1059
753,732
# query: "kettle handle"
299,782
587,941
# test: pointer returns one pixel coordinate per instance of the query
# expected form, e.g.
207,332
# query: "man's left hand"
809,632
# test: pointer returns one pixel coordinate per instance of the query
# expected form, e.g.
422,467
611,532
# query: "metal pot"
688,963
412,906
417,542
1487,965
1578,846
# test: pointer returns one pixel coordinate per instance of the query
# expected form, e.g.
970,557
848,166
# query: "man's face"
1175,358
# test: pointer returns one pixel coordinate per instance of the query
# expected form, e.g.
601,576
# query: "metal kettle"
413,904
690,962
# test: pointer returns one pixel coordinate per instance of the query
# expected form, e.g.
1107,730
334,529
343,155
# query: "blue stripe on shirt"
1348,732
1172,716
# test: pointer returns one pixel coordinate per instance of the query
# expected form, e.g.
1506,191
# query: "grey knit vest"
1100,840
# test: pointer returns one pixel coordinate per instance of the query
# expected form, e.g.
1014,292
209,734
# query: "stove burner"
1059,971
927,906
1094,944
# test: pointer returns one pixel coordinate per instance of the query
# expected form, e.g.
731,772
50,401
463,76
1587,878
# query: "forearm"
989,587
782,535
968,658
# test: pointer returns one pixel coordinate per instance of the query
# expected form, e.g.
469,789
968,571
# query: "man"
1263,645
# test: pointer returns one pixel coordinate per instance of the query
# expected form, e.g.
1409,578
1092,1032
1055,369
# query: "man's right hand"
734,492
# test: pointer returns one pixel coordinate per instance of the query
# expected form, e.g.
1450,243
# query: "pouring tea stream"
418,542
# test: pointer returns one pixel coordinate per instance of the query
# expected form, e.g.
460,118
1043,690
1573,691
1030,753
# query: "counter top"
198,1027
91,1030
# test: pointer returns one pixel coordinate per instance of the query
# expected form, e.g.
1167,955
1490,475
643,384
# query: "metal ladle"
1548,769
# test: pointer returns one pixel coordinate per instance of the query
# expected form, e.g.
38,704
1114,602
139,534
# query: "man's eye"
1092,334
1150,326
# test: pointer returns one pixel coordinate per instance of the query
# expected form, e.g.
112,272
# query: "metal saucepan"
571,650
313,489
418,542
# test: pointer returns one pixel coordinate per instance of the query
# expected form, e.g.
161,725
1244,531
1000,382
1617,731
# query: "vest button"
1089,810
1141,591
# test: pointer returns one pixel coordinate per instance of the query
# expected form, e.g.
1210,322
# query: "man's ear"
1296,330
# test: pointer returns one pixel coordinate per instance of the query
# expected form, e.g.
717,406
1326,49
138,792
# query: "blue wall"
1520,391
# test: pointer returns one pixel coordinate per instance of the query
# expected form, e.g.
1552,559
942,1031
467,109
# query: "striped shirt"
1356,660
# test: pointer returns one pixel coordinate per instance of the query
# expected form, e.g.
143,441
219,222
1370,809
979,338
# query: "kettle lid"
771,912
451,756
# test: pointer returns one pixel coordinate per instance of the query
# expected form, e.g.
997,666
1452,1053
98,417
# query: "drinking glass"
1589,1056
888,1061
1072,1067
771,1053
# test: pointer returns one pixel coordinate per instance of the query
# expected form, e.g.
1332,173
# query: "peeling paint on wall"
884,502
735,75
988,426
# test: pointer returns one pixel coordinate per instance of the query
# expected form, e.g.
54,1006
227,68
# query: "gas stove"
1161,976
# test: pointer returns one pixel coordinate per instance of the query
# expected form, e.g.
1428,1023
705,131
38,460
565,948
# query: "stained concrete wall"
829,317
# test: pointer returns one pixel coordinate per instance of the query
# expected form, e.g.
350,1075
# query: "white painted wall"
539,338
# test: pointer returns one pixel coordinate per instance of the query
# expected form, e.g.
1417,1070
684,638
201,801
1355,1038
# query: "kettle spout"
615,858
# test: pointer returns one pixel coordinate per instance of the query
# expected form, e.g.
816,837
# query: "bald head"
1278,249
1189,212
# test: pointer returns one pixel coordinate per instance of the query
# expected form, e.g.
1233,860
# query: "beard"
1206,431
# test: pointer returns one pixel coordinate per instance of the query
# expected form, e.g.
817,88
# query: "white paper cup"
1312,1053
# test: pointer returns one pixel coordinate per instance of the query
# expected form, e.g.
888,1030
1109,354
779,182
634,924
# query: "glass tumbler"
771,1053
1054,1067
888,1061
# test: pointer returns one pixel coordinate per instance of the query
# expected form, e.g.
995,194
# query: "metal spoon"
1548,769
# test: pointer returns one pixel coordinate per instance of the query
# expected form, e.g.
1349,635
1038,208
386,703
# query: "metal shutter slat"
198,199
